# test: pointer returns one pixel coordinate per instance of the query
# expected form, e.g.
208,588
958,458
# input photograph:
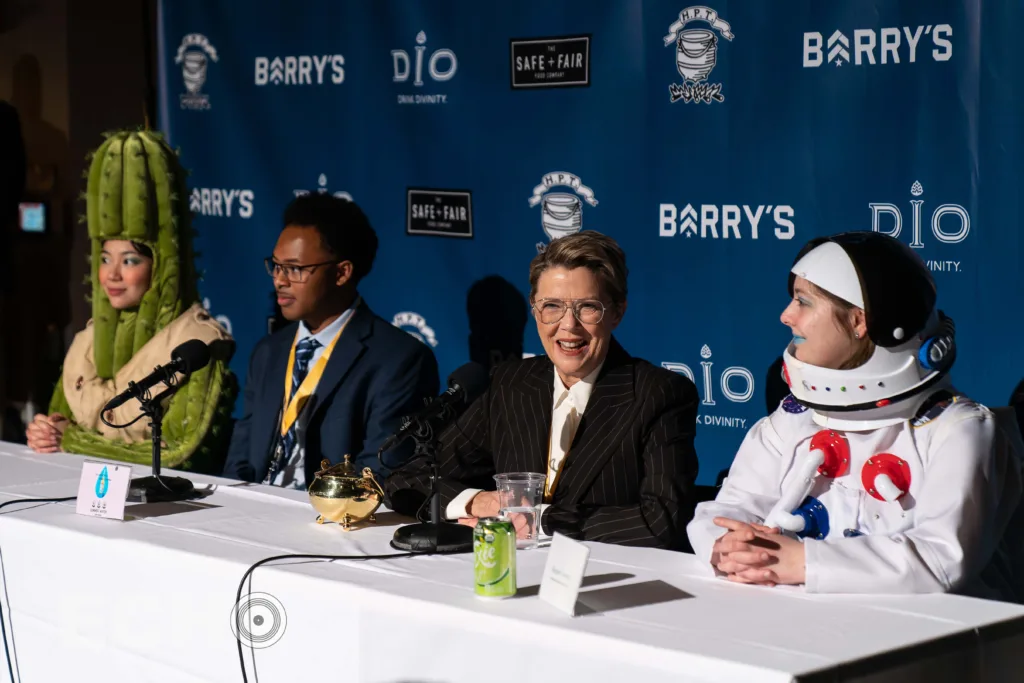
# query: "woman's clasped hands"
754,553
44,433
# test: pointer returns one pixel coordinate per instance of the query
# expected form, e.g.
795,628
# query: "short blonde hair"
587,249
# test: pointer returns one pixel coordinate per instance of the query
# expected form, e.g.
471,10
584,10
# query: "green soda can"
494,565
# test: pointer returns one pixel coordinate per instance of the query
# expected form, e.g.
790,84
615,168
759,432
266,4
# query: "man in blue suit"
340,378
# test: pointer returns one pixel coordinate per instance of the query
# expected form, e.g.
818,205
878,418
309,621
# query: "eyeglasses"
294,273
587,311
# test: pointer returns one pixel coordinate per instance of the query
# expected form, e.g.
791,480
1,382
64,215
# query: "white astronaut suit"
895,482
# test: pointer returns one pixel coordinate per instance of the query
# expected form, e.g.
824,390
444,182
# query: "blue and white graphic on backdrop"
710,141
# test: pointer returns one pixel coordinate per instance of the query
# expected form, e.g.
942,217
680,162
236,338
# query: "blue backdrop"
710,141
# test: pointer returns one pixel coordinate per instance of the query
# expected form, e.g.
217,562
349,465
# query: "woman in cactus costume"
144,304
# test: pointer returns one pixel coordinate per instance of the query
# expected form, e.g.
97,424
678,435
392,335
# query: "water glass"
521,493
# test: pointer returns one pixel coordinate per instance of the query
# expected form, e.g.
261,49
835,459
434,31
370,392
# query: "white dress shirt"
293,474
568,404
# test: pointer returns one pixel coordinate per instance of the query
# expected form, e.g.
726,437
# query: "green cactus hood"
136,191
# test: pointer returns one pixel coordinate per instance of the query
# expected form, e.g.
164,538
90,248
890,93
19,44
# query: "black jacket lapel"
348,349
529,418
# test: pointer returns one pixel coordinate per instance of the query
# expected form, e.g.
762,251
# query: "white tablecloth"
150,599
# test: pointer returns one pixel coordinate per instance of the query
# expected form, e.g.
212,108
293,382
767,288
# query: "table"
150,599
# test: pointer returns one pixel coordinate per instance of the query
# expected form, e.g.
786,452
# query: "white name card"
103,489
563,573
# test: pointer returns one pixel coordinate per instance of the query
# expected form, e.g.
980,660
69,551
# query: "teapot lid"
342,470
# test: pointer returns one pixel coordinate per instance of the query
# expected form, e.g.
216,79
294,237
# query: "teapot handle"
368,474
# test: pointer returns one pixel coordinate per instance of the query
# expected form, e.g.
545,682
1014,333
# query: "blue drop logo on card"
102,483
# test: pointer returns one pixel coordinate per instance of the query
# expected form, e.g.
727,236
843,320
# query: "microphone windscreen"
472,378
193,355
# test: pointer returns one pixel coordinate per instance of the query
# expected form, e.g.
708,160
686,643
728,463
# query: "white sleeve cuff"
457,508
540,525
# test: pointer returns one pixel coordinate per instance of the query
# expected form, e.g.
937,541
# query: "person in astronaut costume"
875,475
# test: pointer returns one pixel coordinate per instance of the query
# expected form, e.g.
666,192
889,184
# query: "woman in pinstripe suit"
612,433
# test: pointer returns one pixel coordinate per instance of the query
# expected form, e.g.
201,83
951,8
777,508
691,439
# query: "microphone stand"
156,488
437,535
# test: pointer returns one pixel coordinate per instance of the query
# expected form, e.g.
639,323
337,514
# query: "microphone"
465,384
185,358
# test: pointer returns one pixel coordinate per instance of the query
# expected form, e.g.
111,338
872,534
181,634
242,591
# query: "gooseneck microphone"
438,536
186,358
464,385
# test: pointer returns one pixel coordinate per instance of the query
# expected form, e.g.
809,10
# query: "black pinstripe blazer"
629,476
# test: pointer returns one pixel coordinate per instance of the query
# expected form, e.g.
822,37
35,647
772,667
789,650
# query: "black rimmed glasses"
292,271
587,311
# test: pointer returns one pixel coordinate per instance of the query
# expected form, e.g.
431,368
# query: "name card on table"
103,490
563,573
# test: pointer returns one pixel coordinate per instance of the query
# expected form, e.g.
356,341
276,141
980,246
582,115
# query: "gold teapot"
342,496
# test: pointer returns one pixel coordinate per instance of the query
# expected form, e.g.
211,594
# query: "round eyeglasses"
587,311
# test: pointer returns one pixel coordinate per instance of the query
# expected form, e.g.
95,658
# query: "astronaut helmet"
910,344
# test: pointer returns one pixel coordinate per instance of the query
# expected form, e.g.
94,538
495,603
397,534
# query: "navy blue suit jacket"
376,374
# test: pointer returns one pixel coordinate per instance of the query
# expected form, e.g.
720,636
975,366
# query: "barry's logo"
218,201
696,55
561,213
193,53
891,45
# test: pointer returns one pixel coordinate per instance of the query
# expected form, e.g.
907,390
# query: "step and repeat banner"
712,141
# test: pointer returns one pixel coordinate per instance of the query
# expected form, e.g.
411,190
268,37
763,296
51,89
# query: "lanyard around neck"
293,405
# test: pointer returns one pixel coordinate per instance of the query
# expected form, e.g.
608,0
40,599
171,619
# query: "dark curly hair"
343,227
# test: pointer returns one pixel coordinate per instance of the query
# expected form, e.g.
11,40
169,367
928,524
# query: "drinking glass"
521,493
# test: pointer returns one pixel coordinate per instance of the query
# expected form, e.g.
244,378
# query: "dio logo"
735,382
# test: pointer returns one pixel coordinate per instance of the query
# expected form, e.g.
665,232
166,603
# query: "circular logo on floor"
258,620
